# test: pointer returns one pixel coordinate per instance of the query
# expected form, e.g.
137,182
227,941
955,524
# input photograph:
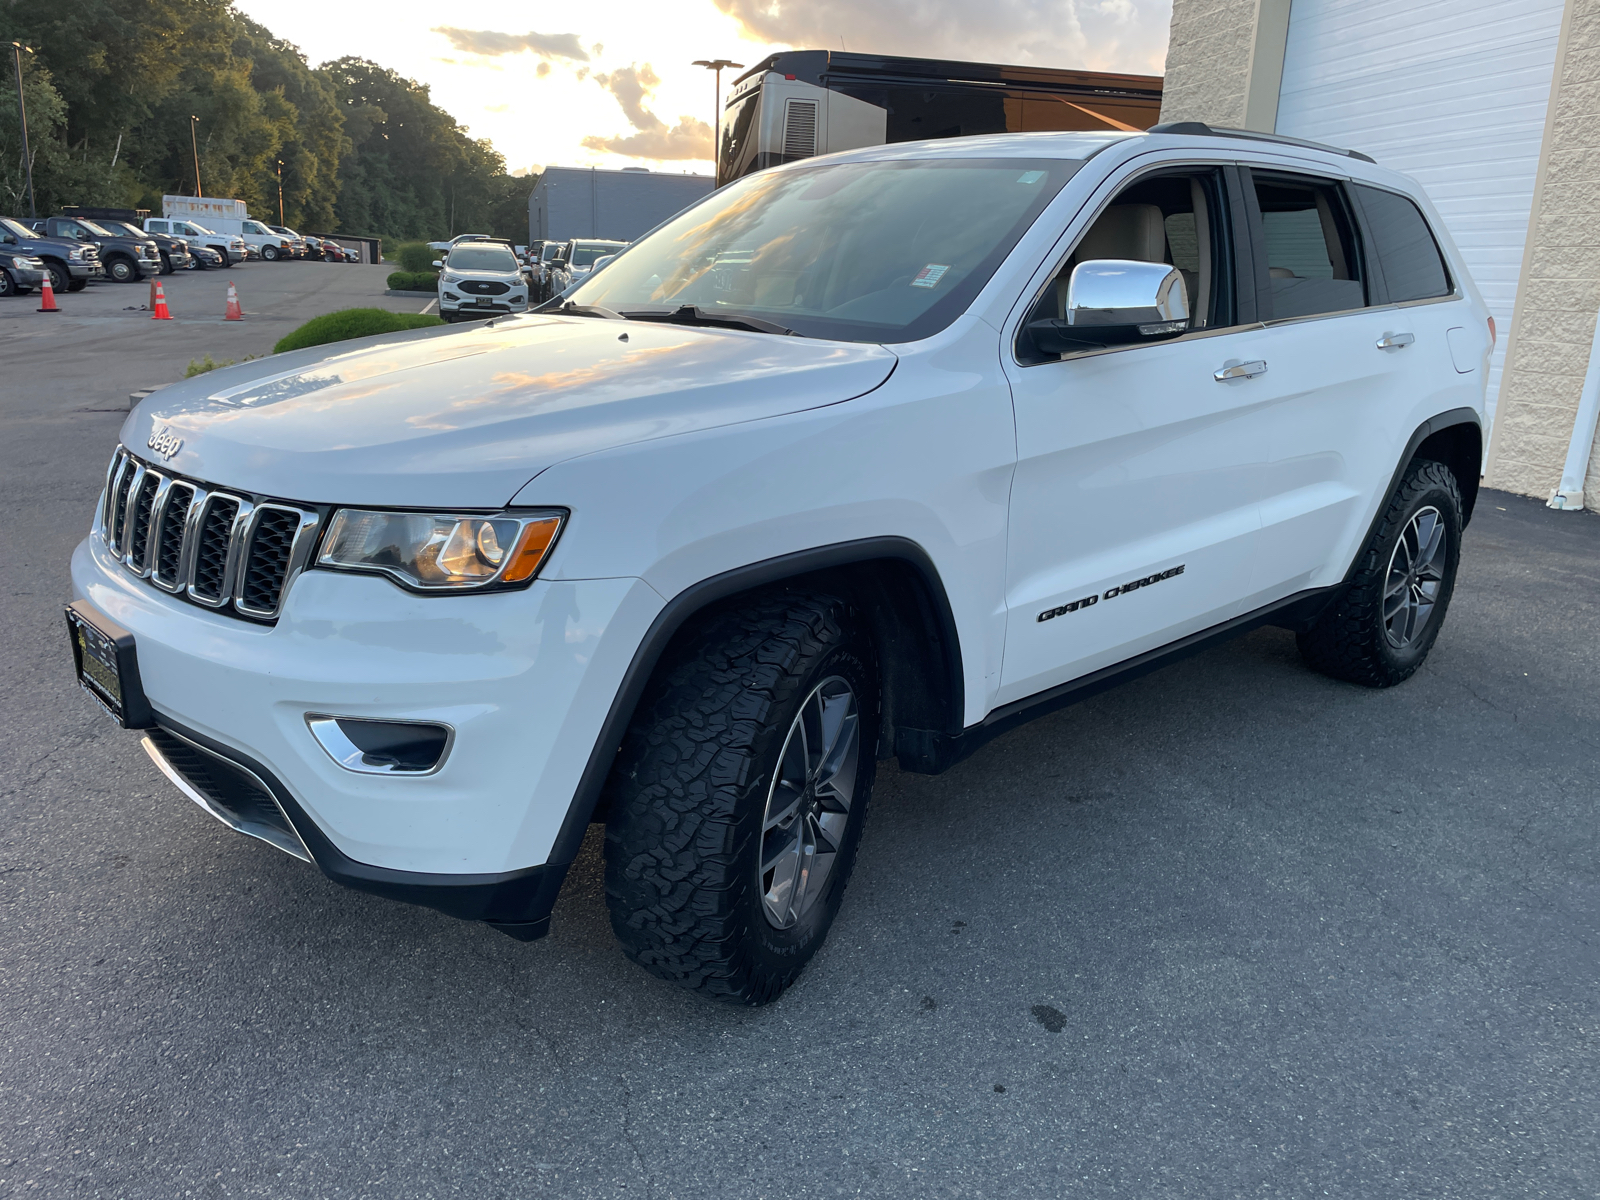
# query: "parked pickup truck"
126,259
70,264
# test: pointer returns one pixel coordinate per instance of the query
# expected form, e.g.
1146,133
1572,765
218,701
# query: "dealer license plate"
107,666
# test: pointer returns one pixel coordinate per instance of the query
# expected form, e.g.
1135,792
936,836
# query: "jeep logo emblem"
164,442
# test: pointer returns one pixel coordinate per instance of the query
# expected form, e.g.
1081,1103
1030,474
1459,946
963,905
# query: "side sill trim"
929,753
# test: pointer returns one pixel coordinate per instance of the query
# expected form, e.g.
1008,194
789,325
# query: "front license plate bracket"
107,666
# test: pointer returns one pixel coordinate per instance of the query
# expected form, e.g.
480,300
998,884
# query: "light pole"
281,221
22,111
716,65
193,145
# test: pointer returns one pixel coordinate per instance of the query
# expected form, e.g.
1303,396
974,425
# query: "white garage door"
1453,93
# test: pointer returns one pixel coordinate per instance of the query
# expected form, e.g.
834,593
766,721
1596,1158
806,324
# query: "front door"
1135,504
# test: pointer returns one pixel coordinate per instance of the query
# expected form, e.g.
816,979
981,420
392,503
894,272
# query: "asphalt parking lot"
1232,930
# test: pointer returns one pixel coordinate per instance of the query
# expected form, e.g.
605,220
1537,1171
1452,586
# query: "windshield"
16,230
123,229
737,154
97,230
551,251
584,253
256,227
864,252
481,258
199,230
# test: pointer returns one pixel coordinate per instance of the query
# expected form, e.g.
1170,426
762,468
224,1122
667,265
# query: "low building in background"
586,202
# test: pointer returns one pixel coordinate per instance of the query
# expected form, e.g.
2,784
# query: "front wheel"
60,278
8,285
737,800
123,270
270,253
1381,628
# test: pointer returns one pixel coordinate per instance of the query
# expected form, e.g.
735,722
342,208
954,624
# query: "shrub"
415,256
413,281
352,323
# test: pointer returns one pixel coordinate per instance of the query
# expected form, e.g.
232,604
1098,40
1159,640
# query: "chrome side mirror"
1114,301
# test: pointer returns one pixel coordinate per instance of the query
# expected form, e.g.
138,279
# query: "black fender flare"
698,596
1433,425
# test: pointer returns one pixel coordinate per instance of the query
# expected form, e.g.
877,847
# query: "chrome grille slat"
166,563
225,551
141,509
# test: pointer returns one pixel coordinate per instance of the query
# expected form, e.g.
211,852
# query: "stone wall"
1553,329
1208,61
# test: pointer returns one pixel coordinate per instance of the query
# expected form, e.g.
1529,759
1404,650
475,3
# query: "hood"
489,276
464,418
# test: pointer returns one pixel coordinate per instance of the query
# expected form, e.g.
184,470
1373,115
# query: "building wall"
1553,330
1225,66
1208,61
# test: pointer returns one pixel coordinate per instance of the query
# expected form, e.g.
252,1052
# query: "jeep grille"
234,552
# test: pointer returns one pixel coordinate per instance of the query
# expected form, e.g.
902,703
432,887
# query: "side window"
1175,217
1312,262
1408,257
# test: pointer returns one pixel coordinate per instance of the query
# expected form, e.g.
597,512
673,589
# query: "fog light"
374,747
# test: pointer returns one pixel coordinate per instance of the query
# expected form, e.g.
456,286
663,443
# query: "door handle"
1244,370
1395,341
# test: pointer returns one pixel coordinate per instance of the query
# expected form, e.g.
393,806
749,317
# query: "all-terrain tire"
1350,641
688,795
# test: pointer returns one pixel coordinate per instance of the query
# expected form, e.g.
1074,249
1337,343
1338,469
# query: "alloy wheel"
809,802
1415,577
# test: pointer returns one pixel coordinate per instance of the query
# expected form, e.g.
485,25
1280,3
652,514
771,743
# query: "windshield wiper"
689,314
572,309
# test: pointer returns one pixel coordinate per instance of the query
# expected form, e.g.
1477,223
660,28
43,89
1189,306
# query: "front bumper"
497,305
525,679
85,270
26,278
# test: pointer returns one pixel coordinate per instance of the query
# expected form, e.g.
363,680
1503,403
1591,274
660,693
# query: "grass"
413,281
199,366
352,323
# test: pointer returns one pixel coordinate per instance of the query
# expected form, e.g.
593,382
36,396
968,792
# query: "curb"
411,295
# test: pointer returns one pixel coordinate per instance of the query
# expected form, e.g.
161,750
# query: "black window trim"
1240,269
1377,293
1376,267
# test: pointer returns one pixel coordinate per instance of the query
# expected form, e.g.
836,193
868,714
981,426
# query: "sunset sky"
609,82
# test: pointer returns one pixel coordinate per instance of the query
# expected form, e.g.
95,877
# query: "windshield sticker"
1030,177
930,275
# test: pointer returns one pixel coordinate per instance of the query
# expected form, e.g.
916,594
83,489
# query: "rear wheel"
737,801
1381,628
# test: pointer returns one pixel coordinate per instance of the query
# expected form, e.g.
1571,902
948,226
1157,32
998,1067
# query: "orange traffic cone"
235,313
49,296
160,313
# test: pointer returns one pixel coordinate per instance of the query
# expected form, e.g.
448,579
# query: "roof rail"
1200,129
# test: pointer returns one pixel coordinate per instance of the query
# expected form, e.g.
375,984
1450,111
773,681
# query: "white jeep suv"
869,455
481,279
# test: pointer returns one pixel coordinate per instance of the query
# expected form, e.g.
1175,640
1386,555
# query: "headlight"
438,552
76,255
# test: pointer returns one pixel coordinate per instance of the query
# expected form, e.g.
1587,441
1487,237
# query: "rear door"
1347,372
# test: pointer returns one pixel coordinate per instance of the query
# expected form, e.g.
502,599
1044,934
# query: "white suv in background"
481,279
869,455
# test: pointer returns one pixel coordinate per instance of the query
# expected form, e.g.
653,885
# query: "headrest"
1133,231
1281,273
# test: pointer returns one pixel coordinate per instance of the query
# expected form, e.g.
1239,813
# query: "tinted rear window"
1408,257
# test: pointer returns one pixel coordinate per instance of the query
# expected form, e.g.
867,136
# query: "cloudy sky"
609,82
